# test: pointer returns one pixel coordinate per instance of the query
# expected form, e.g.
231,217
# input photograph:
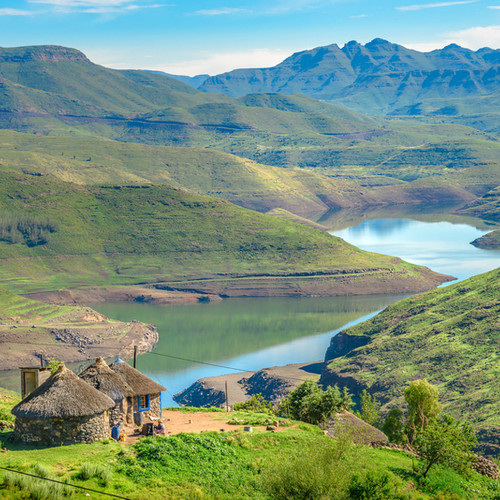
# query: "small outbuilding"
345,424
146,401
63,410
104,379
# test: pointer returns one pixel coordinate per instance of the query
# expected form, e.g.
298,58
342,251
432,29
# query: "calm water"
443,246
251,334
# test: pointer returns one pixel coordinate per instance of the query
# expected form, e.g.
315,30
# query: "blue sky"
212,36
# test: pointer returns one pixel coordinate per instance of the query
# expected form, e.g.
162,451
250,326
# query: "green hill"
55,235
85,160
449,336
57,91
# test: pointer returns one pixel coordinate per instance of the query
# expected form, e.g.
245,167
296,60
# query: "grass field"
297,462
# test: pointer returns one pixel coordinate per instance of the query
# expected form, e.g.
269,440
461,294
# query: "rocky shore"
273,383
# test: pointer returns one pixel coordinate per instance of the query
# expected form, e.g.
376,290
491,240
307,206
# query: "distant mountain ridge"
378,77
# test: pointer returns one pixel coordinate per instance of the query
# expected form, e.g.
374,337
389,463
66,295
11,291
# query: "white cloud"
103,7
494,7
360,16
220,11
83,3
433,5
117,10
476,37
221,62
472,38
15,12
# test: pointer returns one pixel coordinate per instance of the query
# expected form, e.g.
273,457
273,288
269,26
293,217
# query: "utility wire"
208,363
65,484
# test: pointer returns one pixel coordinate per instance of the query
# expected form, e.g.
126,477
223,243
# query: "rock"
485,467
271,428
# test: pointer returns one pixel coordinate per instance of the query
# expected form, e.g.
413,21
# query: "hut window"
143,402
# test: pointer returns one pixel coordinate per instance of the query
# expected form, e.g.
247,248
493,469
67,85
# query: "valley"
335,216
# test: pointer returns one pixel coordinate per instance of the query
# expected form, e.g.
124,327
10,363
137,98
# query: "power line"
65,484
179,358
215,364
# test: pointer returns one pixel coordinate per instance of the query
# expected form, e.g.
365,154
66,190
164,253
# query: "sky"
192,37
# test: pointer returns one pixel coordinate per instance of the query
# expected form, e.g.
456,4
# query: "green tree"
309,403
393,426
423,405
370,408
446,442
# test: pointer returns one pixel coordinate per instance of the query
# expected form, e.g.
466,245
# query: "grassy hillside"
145,234
449,335
296,462
85,160
57,91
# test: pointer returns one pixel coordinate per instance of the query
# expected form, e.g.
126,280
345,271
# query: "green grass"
449,336
234,464
144,234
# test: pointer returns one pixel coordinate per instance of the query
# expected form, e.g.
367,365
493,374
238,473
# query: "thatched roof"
141,385
104,379
63,395
347,424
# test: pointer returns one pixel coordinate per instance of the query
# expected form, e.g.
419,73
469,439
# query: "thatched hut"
345,424
63,410
104,379
146,401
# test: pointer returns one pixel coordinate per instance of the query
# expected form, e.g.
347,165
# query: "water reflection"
443,246
248,334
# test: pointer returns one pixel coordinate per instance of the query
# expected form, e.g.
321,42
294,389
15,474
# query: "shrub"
315,474
375,485
309,403
31,231
256,403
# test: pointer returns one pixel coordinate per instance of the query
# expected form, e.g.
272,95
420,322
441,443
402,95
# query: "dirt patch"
196,422
70,340
85,296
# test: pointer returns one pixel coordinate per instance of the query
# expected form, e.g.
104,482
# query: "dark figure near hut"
160,428
104,379
115,432
146,401
63,410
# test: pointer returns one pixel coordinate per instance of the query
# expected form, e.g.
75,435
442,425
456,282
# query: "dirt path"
196,422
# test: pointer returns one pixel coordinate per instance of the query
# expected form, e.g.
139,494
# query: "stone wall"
55,432
154,406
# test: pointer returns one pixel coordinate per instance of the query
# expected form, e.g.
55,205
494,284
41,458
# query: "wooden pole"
41,360
135,356
227,400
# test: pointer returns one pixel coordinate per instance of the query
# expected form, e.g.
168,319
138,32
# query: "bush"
309,403
316,474
375,485
256,403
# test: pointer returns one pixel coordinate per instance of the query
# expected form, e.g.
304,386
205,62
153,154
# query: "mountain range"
379,77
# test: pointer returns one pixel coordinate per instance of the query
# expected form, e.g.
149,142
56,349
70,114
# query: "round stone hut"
63,410
146,401
104,379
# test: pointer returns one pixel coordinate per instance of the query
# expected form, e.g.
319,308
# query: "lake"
254,333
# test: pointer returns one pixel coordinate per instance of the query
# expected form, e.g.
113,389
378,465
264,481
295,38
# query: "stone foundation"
56,432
